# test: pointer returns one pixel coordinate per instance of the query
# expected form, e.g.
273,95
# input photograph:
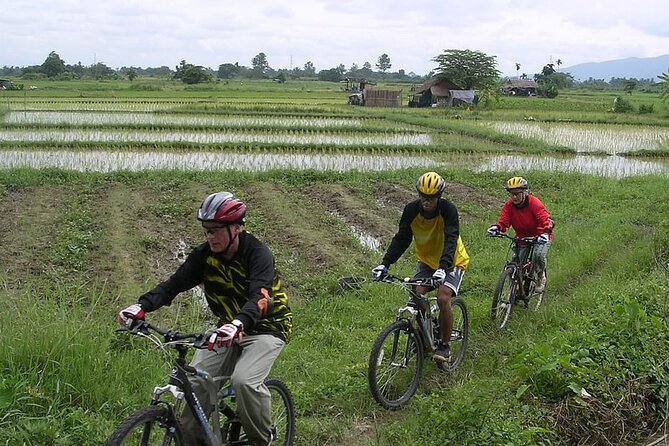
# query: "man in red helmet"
243,290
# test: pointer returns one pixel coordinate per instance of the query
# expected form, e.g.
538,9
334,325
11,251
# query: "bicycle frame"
522,267
420,320
181,389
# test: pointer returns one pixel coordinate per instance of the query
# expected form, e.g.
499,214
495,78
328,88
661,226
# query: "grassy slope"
82,268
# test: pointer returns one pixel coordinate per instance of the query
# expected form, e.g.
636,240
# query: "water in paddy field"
103,161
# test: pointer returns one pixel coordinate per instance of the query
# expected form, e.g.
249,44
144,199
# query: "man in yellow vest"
432,223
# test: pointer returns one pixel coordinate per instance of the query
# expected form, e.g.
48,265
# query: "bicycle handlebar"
170,337
408,281
531,240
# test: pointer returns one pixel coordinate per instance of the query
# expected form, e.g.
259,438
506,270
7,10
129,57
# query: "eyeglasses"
516,193
213,230
428,198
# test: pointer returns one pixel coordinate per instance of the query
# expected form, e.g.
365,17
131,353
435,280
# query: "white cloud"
330,32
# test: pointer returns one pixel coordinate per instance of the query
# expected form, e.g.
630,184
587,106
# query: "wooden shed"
440,92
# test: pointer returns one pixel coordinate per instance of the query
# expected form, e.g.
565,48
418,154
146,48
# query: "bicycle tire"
504,298
397,348
459,335
282,416
283,412
148,426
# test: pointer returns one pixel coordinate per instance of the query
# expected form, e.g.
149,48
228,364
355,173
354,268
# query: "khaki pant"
248,364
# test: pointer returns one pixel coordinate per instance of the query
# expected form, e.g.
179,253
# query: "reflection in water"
98,161
609,166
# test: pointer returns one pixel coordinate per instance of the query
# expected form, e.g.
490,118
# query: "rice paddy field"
99,182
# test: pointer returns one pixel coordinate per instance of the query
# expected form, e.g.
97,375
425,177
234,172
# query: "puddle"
365,239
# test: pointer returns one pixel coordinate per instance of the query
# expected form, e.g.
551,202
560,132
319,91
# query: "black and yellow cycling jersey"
247,287
436,237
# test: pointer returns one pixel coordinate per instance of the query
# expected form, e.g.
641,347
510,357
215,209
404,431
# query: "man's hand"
380,272
493,231
129,315
439,275
227,334
543,239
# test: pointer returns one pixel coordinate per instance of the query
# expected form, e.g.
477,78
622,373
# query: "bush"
621,105
643,108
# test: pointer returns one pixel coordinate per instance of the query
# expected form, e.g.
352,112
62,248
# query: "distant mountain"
633,67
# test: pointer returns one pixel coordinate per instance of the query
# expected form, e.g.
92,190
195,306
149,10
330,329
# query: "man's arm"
187,276
403,237
451,233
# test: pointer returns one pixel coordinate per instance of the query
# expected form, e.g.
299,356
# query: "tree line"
467,69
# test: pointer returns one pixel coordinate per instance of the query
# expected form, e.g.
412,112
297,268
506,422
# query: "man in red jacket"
529,218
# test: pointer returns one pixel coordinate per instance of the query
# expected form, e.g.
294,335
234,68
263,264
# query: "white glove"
129,315
380,272
493,231
439,275
543,239
227,334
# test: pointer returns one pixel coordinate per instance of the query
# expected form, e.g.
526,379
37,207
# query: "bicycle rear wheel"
395,365
283,412
282,416
503,299
149,426
459,335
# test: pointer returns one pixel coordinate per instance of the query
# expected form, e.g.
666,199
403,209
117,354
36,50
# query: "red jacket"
528,220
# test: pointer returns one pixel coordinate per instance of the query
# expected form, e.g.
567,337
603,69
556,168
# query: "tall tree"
517,68
53,65
260,64
309,69
466,68
383,63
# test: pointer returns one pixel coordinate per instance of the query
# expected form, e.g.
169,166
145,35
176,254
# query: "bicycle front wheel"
504,297
283,412
149,426
395,365
459,335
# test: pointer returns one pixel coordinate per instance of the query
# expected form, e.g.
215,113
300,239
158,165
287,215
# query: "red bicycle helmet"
222,207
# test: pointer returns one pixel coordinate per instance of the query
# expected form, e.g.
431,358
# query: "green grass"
77,247
69,379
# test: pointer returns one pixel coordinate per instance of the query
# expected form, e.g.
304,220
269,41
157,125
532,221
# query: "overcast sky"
153,33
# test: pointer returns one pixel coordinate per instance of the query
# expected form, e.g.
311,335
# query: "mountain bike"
158,424
518,280
398,354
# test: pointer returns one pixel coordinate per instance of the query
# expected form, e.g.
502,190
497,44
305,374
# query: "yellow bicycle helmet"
516,183
430,183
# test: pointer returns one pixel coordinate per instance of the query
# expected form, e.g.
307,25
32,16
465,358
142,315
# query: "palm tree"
558,62
517,68
664,85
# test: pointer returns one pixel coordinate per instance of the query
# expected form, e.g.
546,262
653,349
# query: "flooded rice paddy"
169,119
611,139
214,137
105,161
99,161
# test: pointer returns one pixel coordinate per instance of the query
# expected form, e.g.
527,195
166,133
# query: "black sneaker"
442,353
